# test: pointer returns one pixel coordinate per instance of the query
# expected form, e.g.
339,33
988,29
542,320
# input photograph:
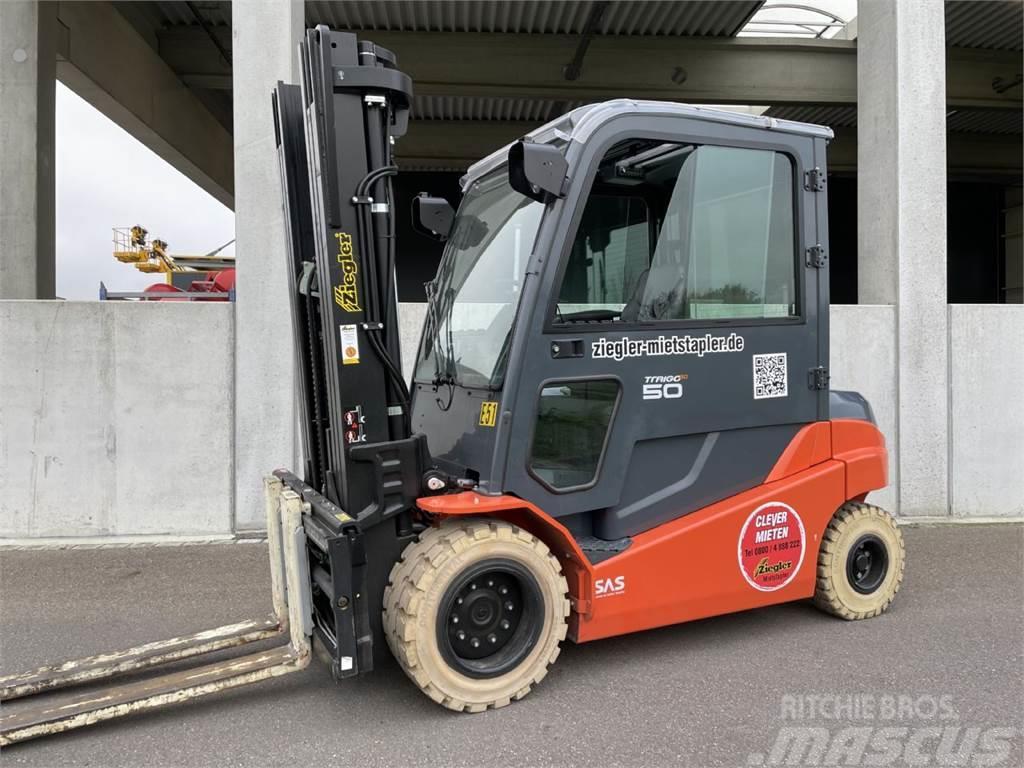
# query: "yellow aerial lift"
131,246
206,277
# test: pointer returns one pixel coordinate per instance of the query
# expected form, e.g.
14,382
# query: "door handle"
562,348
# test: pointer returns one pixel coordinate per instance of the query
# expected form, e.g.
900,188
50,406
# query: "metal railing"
108,295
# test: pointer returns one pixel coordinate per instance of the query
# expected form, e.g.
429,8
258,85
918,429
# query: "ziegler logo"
611,586
664,387
763,567
346,295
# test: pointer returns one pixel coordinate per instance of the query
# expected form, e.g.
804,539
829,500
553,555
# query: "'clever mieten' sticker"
771,546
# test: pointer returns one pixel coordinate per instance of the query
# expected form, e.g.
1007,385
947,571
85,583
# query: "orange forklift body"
717,563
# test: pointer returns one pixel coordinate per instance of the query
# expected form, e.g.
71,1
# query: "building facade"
925,258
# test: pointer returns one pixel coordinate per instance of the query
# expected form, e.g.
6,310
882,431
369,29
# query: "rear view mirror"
536,170
432,216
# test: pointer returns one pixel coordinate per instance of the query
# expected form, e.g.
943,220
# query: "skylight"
816,19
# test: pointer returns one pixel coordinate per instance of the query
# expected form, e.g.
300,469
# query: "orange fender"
575,565
861,447
811,445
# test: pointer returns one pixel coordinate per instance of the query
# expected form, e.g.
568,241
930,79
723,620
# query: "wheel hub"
485,615
867,564
490,618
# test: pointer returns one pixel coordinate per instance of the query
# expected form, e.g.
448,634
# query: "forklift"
619,418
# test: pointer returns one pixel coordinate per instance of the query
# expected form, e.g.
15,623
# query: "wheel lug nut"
455,619
503,590
475,642
459,601
472,587
505,624
490,582
461,635
509,606
492,639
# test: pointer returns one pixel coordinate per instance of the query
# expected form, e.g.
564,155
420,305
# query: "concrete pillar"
28,61
266,34
901,231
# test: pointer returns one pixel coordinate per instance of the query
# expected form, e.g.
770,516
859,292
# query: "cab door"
671,349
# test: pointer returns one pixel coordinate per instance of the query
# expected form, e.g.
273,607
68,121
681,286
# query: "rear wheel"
475,611
860,563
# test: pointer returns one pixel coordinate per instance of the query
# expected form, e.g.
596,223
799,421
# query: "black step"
598,550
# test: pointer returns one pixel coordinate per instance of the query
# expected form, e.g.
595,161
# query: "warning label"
771,546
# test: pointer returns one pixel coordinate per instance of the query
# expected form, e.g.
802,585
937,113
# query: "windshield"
473,299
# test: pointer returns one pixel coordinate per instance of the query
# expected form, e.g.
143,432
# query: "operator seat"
658,304
631,312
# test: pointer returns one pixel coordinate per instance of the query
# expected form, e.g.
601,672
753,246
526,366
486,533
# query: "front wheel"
475,611
860,563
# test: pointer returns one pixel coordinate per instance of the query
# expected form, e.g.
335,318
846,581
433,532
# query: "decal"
614,585
353,425
349,345
664,387
488,413
620,349
771,546
770,376
346,295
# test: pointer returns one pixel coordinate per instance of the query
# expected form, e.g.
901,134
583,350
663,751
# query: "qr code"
770,376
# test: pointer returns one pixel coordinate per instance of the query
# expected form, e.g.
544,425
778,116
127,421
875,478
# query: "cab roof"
581,122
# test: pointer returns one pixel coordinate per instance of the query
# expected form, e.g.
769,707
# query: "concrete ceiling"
188,33
996,25
702,18
195,39
460,53
179,30
993,121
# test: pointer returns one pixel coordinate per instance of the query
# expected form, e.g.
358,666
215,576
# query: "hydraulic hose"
373,318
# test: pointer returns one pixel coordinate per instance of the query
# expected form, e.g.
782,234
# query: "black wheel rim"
867,564
490,618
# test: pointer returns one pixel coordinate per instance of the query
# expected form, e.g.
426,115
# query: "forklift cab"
647,336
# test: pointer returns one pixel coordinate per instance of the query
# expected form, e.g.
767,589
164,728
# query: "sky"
107,178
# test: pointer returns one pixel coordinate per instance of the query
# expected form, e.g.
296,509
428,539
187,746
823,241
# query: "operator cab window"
676,232
571,432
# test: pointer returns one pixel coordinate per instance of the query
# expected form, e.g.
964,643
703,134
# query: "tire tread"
825,596
411,577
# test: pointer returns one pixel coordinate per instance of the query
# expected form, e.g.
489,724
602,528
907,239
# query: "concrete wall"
863,358
115,423
986,410
986,404
901,224
28,33
265,49
410,321
114,419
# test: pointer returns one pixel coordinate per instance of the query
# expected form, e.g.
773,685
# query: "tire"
850,585
427,589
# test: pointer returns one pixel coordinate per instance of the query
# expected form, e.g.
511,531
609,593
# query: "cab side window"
676,232
571,431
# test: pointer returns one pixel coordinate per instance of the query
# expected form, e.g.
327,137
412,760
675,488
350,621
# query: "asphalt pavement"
947,658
